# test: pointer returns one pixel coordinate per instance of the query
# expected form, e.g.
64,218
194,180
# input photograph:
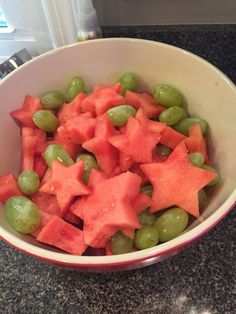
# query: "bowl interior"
208,95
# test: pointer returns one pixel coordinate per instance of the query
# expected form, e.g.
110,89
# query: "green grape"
167,95
171,223
119,115
52,100
89,163
146,237
28,182
45,120
22,214
120,243
57,152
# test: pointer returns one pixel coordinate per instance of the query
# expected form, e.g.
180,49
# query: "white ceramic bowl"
208,93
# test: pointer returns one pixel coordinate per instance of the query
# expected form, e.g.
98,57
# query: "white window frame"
37,25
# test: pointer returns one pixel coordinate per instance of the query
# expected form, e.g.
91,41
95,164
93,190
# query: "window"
37,26
3,21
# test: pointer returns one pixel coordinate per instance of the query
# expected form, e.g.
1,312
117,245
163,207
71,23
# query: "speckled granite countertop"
200,280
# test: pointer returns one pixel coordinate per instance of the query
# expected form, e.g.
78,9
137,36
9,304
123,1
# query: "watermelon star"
145,101
108,208
140,138
66,183
106,154
177,182
25,115
78,129
71,110
102,99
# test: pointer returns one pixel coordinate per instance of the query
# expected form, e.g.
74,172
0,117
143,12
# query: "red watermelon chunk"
63,235
71,110
147,124
47,203
96,177
106,154
139,140
102,99
47,176
105,213
117,87
145,101
28,148
44,219
8,187
196,142
66,183
125,162
104,127
40,138
142,202
25,115
176,182
33,145
107,98
40,166
87,105
171,138
78,129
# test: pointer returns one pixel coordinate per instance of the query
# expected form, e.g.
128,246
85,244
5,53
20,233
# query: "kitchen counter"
200,280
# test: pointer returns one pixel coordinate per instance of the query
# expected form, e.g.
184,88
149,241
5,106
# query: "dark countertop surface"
200,280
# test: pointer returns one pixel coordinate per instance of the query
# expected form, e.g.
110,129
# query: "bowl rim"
134,257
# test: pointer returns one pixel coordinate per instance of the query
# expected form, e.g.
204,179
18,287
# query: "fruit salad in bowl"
119,162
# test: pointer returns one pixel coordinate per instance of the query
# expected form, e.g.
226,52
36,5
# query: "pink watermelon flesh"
71,110
176,182
63,235
24,116
196,142
171,138
145,101
106,154
78,129
138,142
105,213
65,183
8,187
142,202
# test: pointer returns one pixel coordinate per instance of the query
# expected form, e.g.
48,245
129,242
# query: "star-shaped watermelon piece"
106,154
25,115
66,183
71,110
145,101
140,138
176,182
78,129
102,99
108,208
